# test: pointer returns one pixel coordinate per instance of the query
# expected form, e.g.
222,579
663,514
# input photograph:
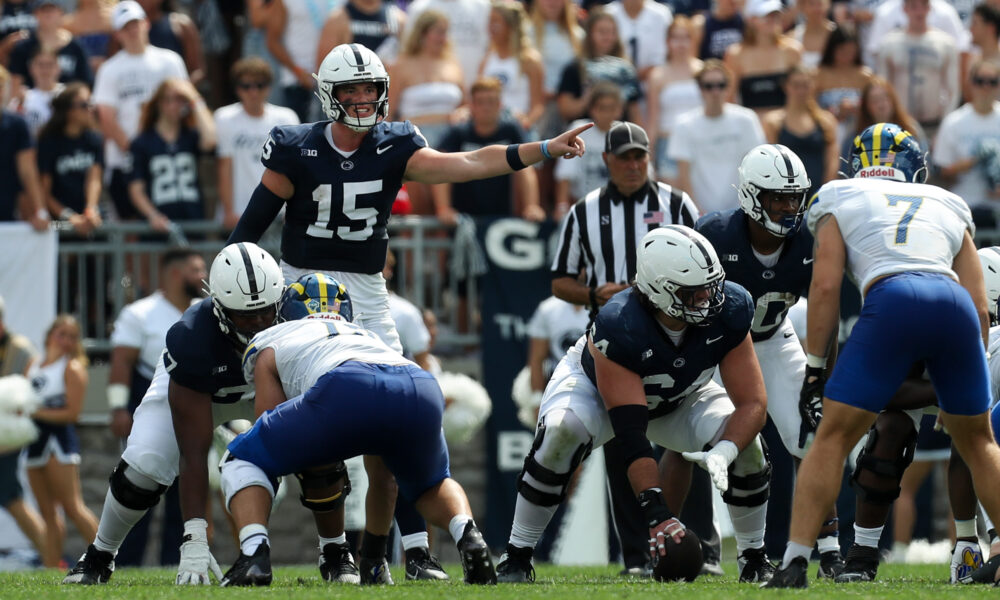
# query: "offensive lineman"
339,179
764,249
643,373
328,390
197,385
909,246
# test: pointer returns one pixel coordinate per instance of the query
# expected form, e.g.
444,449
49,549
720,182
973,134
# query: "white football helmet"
680,273
347,64
244,281
990,259
772,172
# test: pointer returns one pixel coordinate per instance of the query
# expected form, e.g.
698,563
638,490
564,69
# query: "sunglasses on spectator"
81,104
714,85
252,85
986,81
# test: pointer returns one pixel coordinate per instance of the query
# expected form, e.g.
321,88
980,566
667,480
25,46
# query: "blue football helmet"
314,293
888,151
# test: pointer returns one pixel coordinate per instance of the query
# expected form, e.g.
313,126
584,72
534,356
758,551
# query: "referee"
596,260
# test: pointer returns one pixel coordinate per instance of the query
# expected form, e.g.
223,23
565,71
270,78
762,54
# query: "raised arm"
430,166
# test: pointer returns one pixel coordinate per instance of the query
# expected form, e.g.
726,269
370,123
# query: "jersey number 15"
323,196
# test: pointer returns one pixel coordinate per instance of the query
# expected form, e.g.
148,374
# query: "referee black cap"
624,136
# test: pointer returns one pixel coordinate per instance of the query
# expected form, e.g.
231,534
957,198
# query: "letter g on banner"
513,244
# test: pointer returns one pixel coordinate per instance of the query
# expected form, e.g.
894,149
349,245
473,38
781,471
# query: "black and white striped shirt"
600,233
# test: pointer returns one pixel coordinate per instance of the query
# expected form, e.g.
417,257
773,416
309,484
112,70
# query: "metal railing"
118,264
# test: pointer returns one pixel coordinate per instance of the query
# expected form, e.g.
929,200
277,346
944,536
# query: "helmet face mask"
679,273
353,64
773,179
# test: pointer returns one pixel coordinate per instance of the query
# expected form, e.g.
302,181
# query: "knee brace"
324,488
237,474
547,476
131,495
750,476
885,468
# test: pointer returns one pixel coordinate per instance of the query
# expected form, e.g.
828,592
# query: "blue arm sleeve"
260,213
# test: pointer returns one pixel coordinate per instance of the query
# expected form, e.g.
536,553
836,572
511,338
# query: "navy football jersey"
337,218
68,161
629,334
200,357
170,173
774,289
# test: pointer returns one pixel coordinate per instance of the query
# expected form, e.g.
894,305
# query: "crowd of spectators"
707,81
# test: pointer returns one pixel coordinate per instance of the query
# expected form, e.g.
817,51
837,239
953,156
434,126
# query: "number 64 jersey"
336,220
892,227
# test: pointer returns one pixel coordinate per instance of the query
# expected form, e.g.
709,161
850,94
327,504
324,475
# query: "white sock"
828,543
864,536
530,521
251,537
417,540
340,540
966,528
456,527
793,551
116,522
748,526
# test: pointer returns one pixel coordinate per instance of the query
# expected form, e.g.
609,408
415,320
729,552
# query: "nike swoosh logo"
381,150
713,340
806,261
788,335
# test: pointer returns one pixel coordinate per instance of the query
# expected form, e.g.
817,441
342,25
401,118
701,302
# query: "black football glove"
661,522
811,402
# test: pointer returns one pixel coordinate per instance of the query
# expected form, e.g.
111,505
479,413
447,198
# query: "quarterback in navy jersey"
644,373
339,178
198,385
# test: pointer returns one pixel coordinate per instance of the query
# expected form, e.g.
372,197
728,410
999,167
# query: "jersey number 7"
904,222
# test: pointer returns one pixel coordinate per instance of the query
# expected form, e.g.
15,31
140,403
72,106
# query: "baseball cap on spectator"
39,4
125,12
761,8
624,136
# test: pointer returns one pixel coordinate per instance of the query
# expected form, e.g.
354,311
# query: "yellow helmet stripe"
877,144
860,147
322,291
902,135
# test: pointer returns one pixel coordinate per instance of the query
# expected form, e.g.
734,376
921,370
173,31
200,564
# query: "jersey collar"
639,196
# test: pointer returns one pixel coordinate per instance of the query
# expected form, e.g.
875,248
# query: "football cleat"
831,564
375,572
515,566
477,563
984,574
966,557
640,571
795,575
754,566
861,565
93,567
250,570
336,564
421,565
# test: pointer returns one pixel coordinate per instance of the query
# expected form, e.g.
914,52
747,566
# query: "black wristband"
654,509
513,158
593,300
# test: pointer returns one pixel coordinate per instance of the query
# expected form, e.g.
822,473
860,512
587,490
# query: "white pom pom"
17,396
468,408
526,399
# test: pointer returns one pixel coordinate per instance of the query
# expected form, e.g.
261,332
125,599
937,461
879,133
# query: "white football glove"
716,461
196,558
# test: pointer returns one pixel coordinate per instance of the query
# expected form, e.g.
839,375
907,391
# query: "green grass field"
910,582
